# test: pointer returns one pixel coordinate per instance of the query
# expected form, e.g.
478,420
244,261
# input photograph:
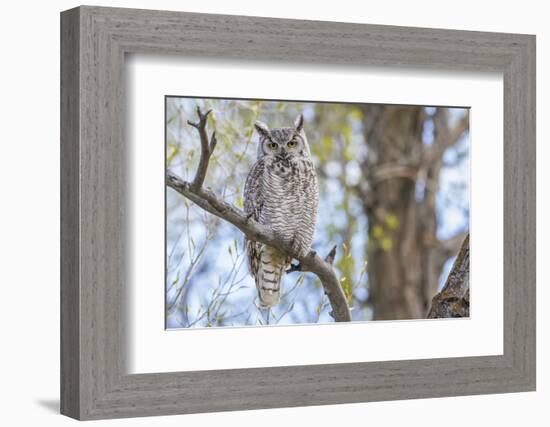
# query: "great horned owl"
281,192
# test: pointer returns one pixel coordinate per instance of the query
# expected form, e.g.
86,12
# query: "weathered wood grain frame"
94,41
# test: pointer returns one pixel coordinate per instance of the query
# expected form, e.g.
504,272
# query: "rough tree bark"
210,202
401,174
454,298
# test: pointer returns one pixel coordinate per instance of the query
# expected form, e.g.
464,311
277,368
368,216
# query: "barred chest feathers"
291,209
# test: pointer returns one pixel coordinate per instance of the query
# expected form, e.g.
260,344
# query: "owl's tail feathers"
268,279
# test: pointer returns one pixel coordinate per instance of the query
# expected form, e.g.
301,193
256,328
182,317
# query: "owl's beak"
283,155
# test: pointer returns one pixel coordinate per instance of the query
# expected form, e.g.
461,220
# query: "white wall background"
29,213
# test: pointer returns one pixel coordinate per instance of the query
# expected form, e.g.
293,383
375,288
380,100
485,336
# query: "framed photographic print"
320,192
280,213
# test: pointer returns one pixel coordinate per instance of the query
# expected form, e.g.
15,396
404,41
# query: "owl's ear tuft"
299,123
262,128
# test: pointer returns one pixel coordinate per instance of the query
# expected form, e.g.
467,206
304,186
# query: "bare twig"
253,230
194,261
207,148
331,255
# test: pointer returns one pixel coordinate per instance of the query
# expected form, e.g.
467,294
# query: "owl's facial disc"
282,143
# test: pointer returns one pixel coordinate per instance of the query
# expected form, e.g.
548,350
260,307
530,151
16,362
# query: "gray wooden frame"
94,41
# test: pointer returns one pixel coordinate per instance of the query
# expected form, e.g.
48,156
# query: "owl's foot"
293,268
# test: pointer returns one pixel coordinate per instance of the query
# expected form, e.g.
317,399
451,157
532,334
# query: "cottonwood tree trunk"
405,258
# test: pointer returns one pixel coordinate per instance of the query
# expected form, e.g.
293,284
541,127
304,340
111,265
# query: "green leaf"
386,244
377,231
391,221
174,151
356,114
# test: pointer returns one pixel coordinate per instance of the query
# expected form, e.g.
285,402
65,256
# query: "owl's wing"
253,189
253,202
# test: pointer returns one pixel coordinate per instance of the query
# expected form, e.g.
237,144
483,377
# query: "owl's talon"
293,268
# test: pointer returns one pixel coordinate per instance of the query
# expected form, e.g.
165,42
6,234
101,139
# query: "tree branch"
449,247
454,298
253,230
445,137
394,170
456,132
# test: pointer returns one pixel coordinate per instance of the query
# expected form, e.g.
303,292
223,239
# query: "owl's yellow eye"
291,144
273,146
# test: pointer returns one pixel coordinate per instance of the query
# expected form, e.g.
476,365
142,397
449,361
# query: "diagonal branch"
253,230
